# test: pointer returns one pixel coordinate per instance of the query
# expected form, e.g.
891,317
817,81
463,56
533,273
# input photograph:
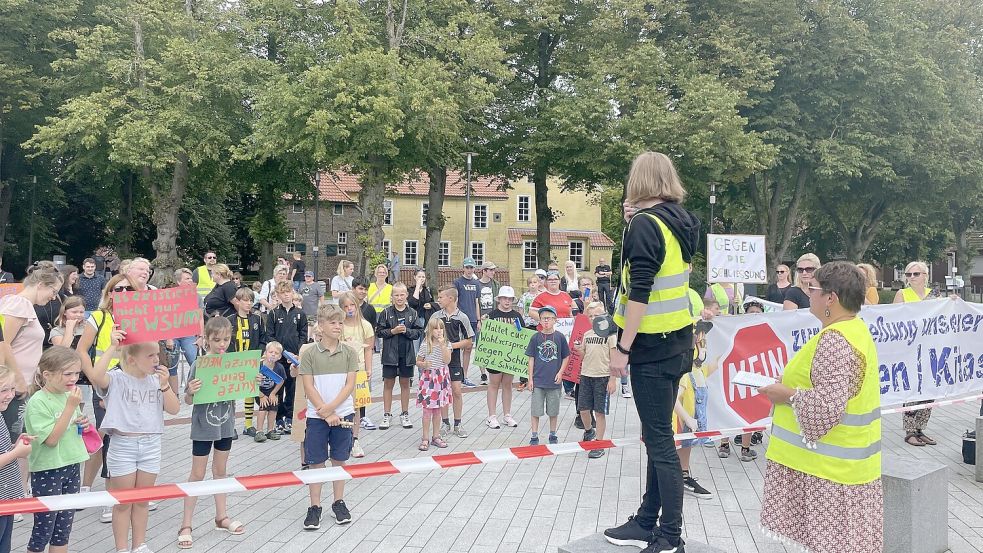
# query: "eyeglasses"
805,269
781,272
917,274
123,289
817,289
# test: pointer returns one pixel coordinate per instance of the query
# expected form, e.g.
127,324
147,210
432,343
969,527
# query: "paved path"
529,506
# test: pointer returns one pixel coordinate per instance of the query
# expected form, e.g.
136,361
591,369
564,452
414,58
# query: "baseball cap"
541,273
506,292
469,262
488,265
548,309
308,273
552,274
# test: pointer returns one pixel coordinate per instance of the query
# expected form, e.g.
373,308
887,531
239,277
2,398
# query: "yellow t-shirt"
597,354
687,396
355,337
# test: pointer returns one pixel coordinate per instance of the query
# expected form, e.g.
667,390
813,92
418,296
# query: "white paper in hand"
755,380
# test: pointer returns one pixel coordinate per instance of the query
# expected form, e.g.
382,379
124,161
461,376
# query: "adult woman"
421,298
914,422
797,297
571,279
776,290
823,478
138,274
871,296
342,281
656,338
380,291
71,285
267,295
218,302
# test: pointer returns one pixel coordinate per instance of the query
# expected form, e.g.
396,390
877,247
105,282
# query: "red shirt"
561,301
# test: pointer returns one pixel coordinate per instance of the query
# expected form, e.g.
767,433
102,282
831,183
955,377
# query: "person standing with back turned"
656,337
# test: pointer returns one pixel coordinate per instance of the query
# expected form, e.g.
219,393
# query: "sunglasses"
805,269
123,289
781,272
909,275
209,257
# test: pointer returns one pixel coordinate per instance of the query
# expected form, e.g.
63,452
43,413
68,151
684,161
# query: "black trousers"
604,294
285,411
655,386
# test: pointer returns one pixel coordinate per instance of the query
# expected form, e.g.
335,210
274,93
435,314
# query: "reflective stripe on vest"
850,453
205,282
668,308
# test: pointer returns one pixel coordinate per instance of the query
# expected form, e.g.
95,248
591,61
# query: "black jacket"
390,319
426,296
287,326
255,333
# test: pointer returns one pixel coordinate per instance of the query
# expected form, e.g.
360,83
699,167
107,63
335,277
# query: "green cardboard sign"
227,376
502,347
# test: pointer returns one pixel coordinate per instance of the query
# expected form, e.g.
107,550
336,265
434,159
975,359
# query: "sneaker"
748,454
578,423
629,533
534,440
18,518
357,451
595,454
625,391
107,515
151,506
287,428
142,548
278,428
251,432
484,379
554,439
590,435
386,419
259,437
692,487
313,519
404,419
468,384
492,422
367,423
739,439
757,438
272,435
460,432
445,429
661,544
509,421
341,513
723,451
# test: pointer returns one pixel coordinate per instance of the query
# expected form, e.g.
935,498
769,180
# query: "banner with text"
227,376
736,258
502,347
929,350
153,315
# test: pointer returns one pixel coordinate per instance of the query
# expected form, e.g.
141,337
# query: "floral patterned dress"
435,382
812,513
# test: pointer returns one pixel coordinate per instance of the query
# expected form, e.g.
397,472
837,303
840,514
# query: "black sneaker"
313,520
341,513
577,423
484,379
589,435
692,487
757,438
629,533
662,544
251,432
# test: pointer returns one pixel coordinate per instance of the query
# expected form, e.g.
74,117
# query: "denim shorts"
323,440
128,454
545,401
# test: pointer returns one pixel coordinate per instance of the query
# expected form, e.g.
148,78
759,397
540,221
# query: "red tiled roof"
342,187
561,237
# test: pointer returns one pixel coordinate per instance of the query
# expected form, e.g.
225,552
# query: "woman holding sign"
914,422
824,457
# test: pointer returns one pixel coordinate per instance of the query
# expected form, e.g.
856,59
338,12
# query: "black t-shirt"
300,268
47,314
509,317
603,269
369,314
219,300
776,294
795,295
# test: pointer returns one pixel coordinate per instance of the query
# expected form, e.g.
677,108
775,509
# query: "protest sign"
736,258
227,376
502,347
363,396
152,315
581,324
10,288
565,326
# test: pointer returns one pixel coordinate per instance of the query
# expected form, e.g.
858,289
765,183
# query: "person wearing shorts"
548,354
596,384
460,334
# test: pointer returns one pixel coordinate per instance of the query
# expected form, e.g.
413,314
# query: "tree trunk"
857,238
124,242
166,209
6,198
435,222
368,228
544,217
767,198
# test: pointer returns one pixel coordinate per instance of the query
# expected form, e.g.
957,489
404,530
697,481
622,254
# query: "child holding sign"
498,380
358,334
136,398
269,387
435,381
212,425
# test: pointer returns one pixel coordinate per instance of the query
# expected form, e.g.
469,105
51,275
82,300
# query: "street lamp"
317,218
467,208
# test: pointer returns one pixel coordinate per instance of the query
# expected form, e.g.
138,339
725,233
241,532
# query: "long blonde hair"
811,258
653,175
54,360
870,273
433,324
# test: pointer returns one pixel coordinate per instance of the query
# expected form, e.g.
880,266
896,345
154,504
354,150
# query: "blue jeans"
188,347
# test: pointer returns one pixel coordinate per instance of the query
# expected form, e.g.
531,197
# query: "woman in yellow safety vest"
727,297
380,291
914,422
823,476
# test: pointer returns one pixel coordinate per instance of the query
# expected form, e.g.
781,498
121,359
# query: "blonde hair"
920,265
70,303
400,285
433,324
593,306
811,258
6,373
130,351
576,274
106,303
222,270
284,286
54,360
653,175
870,273
350,297
182,271
275,345
44,274
342,265
329,312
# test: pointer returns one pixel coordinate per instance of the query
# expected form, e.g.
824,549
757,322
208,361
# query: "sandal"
185,541
912,439
424,445
437,441
234,527
925,439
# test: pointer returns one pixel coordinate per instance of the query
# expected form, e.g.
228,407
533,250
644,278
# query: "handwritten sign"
363,397
502,347
736,258
10,288
227,376
581,324
153,315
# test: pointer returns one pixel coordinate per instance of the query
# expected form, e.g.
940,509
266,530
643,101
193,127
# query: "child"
327,372
54,418
287,324
396,326
457,328
596,385
358,334
435,382
212,425
548,355
690,411
248,333
268,393
136,398
503,312
9,469
534,286
69,323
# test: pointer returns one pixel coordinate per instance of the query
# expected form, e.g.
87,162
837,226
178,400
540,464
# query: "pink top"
29,341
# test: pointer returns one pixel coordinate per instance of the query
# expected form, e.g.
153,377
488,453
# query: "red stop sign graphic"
756,349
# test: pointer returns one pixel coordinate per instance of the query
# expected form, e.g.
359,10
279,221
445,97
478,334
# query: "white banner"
736,258
926,350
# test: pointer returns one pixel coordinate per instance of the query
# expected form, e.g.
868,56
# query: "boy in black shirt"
398,329
287,324
360,287
457,328
503,312
248,334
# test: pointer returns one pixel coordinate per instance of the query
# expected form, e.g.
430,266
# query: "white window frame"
338,209
291,235
406,253
528,209
528,245
387,211
479,258
424,213
387,248
583,253
297,207
444,254
474,216
291,247
342,243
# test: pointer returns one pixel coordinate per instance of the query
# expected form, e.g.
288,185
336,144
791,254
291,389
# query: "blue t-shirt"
548,353
267,384
467,295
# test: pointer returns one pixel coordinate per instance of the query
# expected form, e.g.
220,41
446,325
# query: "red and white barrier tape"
956,401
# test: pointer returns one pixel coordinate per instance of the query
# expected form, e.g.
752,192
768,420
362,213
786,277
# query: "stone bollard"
916,505
595,543
979,449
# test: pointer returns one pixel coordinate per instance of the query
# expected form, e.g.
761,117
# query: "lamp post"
467,208
713,201
30,234
317,218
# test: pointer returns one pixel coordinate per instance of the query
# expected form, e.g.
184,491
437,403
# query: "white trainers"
509,421
18,518
445,429
142,548
151,506
492,422
357,451
367,423
404,419
107,515
625,391
386,420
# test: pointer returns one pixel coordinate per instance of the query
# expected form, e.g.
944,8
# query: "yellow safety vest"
720,294
668,305
910,296
205,282
851,452
104,336
381,300
695,305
